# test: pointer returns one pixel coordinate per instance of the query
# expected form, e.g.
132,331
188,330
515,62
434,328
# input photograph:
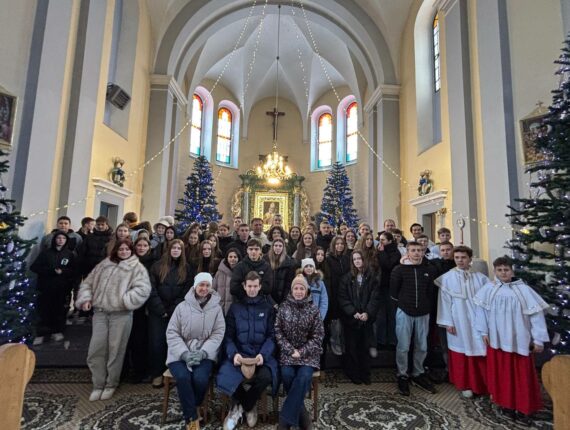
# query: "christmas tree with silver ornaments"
541,242
16,293
199,202
337,205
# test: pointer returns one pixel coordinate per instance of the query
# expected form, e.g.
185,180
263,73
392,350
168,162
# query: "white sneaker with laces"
233,418
251,417
57,337
95,395
467,394
107,393
373,352
38,340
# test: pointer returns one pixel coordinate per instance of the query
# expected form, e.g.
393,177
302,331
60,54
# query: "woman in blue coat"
249,334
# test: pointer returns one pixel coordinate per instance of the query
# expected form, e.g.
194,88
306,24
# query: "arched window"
351,132
436,60
223,152
324,141
196,130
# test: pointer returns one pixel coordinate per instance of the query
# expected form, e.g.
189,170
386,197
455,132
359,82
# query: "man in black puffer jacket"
93,250
411,287
253,262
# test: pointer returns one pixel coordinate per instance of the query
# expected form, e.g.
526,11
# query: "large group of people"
263,308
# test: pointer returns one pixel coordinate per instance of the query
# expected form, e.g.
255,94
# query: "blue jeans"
191,386
297,383
405,326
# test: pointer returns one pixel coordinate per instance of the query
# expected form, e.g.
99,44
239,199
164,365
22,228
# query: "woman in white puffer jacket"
114,289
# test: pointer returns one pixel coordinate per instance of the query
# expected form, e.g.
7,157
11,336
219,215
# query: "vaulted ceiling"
323,42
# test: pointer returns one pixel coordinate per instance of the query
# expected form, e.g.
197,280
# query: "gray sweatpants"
107,348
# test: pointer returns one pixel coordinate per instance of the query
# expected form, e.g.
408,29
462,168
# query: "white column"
493,123
565,9
49,114
384,137
463,175
81,140
161,129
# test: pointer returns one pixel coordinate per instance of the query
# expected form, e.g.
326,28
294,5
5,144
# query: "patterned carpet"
58,399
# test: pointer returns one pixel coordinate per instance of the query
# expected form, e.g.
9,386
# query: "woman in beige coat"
223,277
114,289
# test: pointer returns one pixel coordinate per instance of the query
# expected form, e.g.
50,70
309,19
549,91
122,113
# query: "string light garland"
378,156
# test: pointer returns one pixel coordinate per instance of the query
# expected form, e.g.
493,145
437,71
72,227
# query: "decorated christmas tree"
16,293
336,206
541,242
199,202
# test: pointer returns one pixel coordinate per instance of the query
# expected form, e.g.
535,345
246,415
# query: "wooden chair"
202,409
17,364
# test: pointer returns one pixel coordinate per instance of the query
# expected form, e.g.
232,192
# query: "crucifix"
275,114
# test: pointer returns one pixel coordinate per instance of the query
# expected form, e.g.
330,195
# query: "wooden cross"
275,114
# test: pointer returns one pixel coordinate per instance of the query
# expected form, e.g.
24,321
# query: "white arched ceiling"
197,39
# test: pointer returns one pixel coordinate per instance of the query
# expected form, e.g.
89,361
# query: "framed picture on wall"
267,205
7,116
531,128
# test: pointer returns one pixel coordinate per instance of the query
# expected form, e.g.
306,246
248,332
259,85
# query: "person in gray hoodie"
194,336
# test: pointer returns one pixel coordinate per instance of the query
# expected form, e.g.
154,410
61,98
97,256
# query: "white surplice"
512,315
455,308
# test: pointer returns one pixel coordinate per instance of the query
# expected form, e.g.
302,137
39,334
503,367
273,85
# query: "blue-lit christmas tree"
541,242
336,206
199,202
16,294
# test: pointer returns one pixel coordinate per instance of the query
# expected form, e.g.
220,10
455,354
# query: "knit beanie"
307,262
300,280
201,277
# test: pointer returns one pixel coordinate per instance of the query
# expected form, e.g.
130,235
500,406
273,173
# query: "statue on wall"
425,183
117,174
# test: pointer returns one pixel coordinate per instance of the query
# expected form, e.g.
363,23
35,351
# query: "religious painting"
531,128
267,205
7,115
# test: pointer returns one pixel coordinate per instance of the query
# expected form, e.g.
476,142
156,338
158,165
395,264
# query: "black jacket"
324,240
224,243
238,244
166,295
292,246
93,250
50,259
411,287
387,260
282,277
245,266
337,268
353,298
442,266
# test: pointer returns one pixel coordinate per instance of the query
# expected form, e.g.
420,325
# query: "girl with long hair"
171,278
358,300
306,248
122,232
223,277
216,251
192,247
207,261
369,251
114,289
350,239
293,240
283,270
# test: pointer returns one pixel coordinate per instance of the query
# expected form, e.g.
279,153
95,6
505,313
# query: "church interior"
427,104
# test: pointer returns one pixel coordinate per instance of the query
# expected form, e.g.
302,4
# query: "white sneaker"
107,393
95,395
336,349
57,337
38,340
251,417
467,394
373,352
233,418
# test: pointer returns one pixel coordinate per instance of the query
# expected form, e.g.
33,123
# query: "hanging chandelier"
274,168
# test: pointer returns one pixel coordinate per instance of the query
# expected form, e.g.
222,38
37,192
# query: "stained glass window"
223,153
436,61
351,132
196,129
324,141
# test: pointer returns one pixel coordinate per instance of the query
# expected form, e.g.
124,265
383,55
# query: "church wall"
16,28
536,35
436,158
108,144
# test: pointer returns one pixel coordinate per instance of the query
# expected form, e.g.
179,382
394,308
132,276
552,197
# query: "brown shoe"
157,382
193,425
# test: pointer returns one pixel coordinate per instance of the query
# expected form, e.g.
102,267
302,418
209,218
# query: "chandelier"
274,169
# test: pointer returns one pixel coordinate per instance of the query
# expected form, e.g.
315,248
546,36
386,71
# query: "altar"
260,198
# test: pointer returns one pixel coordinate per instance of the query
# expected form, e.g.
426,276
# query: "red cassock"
512,381
468,372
